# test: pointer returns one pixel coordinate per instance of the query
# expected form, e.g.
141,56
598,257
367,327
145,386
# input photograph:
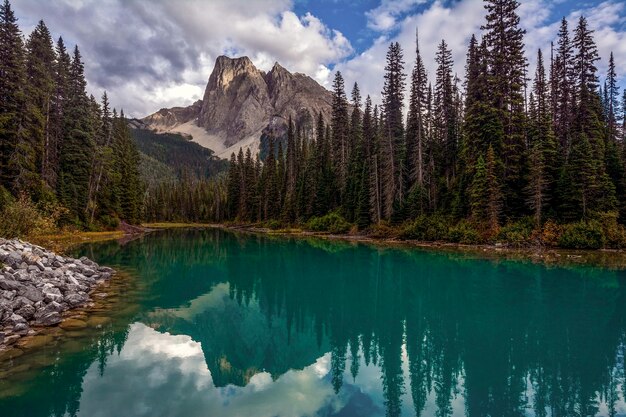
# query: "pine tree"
543,161
340,139
127,160
614,159
357,154
234,185
57,116
538,184
415,136
12,100
291,174
376,168
485,194
578,182
393,147
588,123
40,74
78,145
563,89
445,138
507,67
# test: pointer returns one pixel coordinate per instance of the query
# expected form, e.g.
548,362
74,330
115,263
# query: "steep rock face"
239,104
236,101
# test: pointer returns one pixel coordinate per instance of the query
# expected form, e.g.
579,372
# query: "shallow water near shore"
215,323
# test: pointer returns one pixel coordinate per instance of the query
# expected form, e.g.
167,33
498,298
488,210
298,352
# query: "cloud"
151,54
384,17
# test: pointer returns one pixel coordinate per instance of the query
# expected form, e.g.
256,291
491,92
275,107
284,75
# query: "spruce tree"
78,145
340,139
415,135
588,126
234,185
445,138
543,161
57,116
40,75
357,154
393,147
12,99
507,67
563,89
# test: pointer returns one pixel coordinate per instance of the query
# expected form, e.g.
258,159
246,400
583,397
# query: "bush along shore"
37,286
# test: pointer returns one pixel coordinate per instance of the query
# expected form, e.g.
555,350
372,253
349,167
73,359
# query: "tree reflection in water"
495,338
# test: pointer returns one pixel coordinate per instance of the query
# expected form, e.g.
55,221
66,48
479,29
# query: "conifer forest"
510,152
501,152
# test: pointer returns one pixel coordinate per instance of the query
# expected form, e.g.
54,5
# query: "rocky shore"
37,286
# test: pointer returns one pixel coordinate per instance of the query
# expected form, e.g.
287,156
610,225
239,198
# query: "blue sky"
150,54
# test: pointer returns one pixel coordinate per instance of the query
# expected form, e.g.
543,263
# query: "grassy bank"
61,241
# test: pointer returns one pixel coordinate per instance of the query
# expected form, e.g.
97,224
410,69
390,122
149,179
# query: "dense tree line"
491,150
60,147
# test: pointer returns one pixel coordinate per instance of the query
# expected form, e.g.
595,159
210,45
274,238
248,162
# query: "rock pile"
37,286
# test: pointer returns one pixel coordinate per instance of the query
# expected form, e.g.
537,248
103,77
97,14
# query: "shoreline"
606,258
63,242
41,289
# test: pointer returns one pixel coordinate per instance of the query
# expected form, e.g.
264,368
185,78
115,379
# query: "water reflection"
252,325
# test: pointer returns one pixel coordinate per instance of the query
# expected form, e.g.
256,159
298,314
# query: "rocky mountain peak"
228,69
240,101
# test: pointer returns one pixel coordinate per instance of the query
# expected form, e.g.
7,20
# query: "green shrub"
273,224
519,233
582,235
465,233
428,228
109,222
614,233
22,218
5,198
331,222
382,230
550,233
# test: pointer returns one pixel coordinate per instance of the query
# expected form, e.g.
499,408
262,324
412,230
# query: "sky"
151,54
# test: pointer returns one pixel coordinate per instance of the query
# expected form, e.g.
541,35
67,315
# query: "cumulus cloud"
384,17
151,54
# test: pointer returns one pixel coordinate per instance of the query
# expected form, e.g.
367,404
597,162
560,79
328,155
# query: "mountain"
242,103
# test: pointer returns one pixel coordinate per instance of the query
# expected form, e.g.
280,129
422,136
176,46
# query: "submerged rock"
37,286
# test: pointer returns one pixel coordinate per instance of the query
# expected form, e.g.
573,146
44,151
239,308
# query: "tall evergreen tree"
340,134
78,144
40,75
416,135
57,116
543,161
393,146
507,68
12,99
445,125
563,89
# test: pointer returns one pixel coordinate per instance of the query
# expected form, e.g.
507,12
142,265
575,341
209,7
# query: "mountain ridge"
241,103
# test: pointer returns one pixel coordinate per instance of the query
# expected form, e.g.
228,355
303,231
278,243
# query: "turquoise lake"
216,323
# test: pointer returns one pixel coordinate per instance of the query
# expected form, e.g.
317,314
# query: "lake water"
223,324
